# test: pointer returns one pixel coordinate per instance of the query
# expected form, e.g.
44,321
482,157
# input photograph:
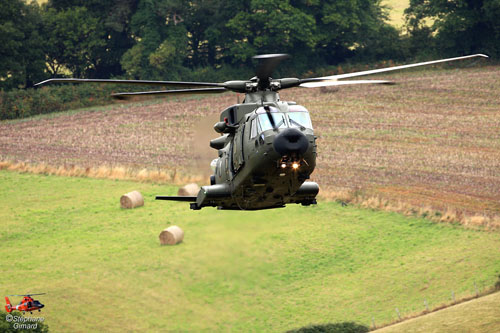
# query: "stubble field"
429,145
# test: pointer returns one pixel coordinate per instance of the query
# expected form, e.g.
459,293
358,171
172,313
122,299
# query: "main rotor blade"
329,83
381,70
141,82
127,95
267,64
28,294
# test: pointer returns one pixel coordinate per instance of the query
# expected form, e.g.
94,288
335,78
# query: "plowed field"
431,140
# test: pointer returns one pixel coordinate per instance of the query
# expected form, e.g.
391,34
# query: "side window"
253,130
238,148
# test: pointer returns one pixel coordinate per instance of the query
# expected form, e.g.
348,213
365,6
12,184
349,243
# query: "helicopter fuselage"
27,304
266,153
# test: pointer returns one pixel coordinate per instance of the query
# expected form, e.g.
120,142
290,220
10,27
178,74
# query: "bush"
346,327
22,103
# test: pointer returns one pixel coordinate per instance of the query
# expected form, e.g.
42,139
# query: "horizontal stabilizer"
176,198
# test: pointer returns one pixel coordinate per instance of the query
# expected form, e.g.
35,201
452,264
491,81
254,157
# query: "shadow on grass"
347,327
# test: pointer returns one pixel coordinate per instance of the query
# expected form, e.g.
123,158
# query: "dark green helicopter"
267,147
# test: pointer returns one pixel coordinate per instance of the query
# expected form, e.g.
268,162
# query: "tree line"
214,40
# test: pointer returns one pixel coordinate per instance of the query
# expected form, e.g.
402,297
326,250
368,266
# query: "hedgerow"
22,103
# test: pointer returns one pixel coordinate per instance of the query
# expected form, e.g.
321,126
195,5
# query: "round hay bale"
189,190
171,236
132,200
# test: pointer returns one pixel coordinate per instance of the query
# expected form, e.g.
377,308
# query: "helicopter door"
238,157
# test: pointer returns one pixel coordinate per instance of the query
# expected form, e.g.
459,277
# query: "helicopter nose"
289,141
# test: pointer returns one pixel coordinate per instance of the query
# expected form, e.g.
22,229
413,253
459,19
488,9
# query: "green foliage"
113,26
168,57
173,39
22,103
224,73
161,44
134,62
347,327
166,40
270,26
13,322
21,55
456,26
72,38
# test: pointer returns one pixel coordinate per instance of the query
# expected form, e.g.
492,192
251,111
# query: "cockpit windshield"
265,121
270,116
299,117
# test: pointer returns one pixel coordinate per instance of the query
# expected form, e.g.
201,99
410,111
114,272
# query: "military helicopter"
26,304
267,147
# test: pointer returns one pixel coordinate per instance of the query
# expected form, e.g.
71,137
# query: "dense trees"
455,26
75,39
205,39
21,53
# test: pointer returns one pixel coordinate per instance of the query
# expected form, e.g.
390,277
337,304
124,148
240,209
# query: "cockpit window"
265,121
299,117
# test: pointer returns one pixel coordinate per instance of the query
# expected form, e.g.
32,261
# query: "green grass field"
396,11
103,268
478,315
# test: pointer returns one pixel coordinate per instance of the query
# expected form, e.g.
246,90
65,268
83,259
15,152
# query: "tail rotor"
8,307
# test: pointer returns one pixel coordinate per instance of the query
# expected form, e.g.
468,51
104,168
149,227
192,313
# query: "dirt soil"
432,139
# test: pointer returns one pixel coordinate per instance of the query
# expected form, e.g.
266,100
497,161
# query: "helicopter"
26,304
267,148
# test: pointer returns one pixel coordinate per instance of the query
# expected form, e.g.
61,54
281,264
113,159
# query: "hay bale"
171,236
132,200
189,190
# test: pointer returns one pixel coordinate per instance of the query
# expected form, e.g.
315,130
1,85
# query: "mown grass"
396,11
103,268
478,315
